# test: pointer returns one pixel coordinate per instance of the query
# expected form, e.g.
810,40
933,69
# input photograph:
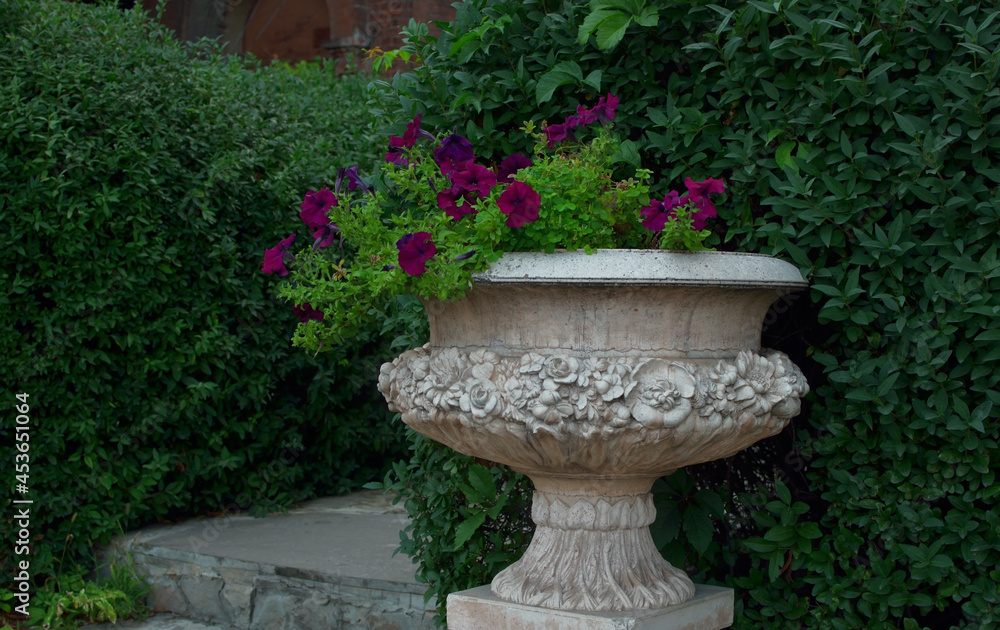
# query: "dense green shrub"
140,182
860,141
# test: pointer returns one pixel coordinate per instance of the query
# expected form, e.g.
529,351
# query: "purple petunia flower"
305,312
520,203
586,116
474,177
448,202
315,206
605,109
325,236
453,152
413,132
354,180
511,165
274,258
414,252
698,196
397,157
558,133
658,213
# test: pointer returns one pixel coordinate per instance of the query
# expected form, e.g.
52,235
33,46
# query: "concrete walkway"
326,564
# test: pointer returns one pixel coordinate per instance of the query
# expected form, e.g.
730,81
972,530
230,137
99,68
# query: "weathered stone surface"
711,608
595,375
284,604
328,564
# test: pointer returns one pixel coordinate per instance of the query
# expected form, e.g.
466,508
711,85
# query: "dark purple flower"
605,109
448,201
414,252
354,180
705,188
698,196
305,312
465,256
397,157
558,133
413,131
453,152
510,166
325,236
586,116
474,177
658,213
520,203
274,258
703,210
315,206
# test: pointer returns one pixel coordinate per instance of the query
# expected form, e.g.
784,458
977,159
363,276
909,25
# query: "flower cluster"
658,213
603,112
436,214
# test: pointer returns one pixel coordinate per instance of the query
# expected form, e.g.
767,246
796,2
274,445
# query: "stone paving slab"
325,564
160,621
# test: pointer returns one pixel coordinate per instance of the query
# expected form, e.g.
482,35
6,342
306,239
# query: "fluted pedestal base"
592,550
711,608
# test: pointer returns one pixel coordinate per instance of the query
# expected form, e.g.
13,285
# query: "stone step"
326,564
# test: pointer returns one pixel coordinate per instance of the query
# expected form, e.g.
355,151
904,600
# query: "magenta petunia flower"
354,180
305,312
474,177
511,165
315,206
448,201
698,196
705,188
558,133
453,152
414,252
520,203
325,236
397,157
658,213
274,258
586,116
413,132
605,109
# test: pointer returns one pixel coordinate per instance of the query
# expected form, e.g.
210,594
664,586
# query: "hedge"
140,182
859,140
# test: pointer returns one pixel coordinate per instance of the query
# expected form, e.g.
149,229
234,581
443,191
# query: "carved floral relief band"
664,405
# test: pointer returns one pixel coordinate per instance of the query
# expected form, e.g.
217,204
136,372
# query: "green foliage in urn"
859,140
435,215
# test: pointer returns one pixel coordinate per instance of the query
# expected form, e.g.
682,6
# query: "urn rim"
644,267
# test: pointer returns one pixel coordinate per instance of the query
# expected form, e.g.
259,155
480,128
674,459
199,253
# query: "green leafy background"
860,141
140,182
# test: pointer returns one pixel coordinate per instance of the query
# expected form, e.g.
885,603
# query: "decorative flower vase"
595,375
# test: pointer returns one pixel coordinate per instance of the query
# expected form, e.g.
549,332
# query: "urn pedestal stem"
592,550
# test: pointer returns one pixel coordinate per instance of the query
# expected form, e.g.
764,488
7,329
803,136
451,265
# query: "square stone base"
711,608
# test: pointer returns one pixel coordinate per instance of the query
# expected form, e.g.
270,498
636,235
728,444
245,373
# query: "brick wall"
357,24
293,30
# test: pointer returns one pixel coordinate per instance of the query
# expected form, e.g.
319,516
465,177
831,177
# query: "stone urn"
594,375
